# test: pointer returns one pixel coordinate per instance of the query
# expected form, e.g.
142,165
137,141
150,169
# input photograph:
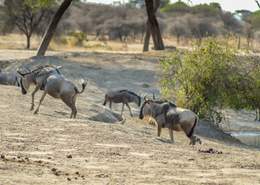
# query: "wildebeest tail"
193,127
84,84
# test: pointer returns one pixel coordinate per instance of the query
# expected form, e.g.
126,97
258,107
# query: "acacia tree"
153,26
26,15
52,27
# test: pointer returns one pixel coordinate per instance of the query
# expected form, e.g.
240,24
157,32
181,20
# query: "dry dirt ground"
49,148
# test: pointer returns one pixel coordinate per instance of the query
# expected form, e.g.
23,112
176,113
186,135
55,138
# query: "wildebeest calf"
122,96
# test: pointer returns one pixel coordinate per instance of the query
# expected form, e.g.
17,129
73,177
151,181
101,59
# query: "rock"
2,156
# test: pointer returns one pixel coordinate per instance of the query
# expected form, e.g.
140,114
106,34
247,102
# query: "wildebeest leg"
74,106
68,100
171,134
110,104
159,129
41,100
105,101
33,94
122,109
74,111
129,109
194,140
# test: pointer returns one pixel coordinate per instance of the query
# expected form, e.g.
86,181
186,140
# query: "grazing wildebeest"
49,79
124,97
9,78
167,115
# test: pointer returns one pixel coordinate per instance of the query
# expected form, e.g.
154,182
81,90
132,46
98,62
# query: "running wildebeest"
9,78
122,96
49,79
168,115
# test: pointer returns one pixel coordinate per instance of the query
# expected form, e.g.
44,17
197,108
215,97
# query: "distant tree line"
128,22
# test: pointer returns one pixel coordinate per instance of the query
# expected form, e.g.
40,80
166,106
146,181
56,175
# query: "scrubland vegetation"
211,77
180,23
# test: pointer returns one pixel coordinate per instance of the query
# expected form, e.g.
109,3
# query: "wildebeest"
49,79
9,78
122,96
168,115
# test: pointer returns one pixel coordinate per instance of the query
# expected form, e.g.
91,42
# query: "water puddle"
248,138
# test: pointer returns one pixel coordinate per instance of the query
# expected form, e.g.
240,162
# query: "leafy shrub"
76,38
79,36
209,78
207,10
179,7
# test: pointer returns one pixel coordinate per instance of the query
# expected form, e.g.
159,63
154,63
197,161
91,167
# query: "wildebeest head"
29,77
145,109
24,81
153,108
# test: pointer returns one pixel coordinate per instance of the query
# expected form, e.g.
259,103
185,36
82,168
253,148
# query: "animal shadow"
61,113
163,140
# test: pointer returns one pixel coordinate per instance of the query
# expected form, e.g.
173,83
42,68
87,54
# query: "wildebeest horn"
22,74
145,98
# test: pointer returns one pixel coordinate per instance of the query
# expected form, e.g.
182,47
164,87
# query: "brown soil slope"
51,149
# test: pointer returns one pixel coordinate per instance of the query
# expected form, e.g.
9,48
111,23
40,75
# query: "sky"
229,5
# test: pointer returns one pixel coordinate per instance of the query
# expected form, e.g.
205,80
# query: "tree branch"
20,27
258,4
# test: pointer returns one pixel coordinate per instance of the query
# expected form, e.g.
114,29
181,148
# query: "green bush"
254,19
72,39
207,9
79,37
209,78
179,6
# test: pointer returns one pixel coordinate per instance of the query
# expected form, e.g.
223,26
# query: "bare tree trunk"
52,27
147,38
178,39
248,42
257,114
258,4
239,42
153,26
28,41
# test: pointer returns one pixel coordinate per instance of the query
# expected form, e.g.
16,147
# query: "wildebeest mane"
38,69
141,110
165,101
130,92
